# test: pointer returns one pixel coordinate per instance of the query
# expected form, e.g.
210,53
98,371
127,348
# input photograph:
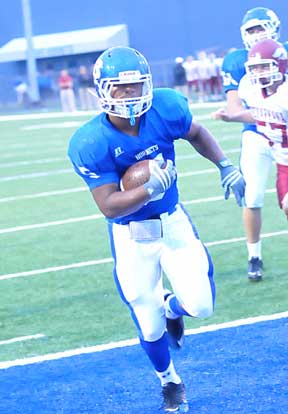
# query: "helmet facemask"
263,74
268,32
128,108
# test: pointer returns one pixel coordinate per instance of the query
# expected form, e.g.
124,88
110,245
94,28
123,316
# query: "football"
136,175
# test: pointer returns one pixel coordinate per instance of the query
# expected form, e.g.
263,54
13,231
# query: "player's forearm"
245,117
121,203
207,146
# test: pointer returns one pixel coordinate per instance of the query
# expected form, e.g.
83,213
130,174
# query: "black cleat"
174,398
175,332
255,269
175,328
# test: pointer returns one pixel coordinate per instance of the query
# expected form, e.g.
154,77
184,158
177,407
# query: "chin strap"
131,115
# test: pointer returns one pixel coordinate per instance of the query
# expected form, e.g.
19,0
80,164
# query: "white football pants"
138,272
255,164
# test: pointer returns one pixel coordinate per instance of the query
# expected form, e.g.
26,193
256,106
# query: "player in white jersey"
258,23
264,89
149,230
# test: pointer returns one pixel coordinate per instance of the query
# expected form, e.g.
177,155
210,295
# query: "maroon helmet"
267,63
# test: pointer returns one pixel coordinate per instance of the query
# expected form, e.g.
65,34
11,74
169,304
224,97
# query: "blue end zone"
237,370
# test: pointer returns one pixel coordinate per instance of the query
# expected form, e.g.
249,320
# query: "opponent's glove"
231,178
160,178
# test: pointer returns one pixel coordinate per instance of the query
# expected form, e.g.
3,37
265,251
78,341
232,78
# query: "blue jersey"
100,153
233,70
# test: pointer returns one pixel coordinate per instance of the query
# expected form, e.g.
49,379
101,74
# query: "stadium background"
161,29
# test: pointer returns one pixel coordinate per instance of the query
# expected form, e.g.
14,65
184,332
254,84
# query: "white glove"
160,178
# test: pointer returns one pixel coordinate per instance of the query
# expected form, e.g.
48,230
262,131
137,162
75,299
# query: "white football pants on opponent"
255,164
138,272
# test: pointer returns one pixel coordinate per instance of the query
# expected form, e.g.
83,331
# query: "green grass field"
54,278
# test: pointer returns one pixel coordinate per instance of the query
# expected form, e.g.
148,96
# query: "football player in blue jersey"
149,230
256,158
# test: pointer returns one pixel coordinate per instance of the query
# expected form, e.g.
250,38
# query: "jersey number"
283,129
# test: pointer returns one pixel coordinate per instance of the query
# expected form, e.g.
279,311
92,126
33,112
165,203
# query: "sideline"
135,341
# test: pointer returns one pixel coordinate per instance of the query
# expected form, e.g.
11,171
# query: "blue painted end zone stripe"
135,341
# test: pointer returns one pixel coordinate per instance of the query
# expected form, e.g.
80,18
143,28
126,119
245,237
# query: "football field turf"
57,289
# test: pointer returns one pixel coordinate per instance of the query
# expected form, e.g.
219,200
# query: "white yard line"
51,223
55,269
36,175
45,194
57,159
80,189
87,218
31,162
46,115
21,339
110,260
135,341
70,170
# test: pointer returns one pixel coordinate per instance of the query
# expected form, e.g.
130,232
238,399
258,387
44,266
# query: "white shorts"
255,163
138,272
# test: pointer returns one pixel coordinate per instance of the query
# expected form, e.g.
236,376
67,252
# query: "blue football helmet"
259,16
123,65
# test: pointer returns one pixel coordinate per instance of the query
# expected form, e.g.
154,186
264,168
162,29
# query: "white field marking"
61,171
45,194
135,341
110,260
51,223
56,268
26,151
93,216
32,162
70,170
74,124
36,145
36,175
21,339
71,124
75,190
49,115
210,199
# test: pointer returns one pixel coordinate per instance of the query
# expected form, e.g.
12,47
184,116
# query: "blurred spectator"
21,89
45,84
204,76
85,82
215,83
180,81
67,95
192,77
